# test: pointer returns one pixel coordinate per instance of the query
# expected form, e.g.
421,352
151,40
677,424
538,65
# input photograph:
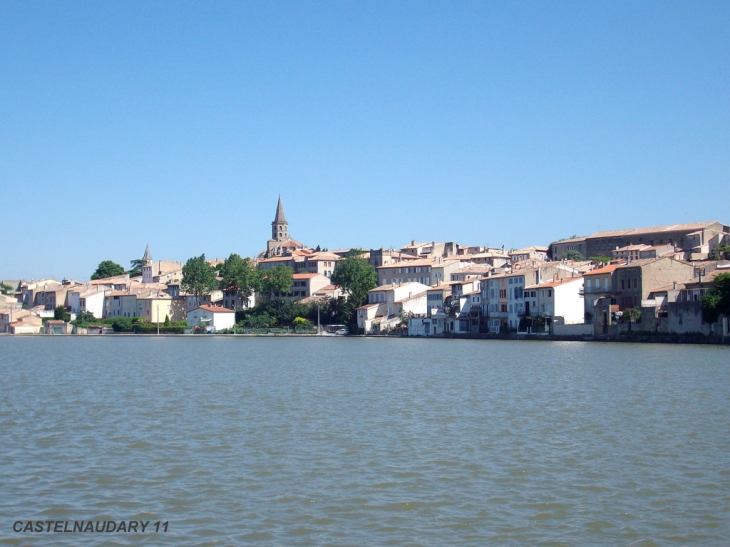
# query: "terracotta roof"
636,263
554,283
108,280
322,255
277,259
305,275
289,242
605,270
653,229
410,264
407,298
670,287
487,254
394,286
415,245
708,277
527,250
327,288
473,268
214,309
639,247
571,240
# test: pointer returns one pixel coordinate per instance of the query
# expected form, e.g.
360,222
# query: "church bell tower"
280,227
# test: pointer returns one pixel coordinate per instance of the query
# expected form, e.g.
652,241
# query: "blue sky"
487,123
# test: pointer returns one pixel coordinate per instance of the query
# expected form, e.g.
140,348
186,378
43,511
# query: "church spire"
279,212
147,255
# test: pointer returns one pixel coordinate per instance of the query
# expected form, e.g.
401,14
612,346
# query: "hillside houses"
438,288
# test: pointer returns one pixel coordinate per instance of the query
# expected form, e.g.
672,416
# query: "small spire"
147,254
279,212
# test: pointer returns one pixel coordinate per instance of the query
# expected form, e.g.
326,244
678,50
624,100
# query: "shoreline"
666,338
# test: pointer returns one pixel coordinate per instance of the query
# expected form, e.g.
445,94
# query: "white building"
388,303
562,298
89,299
212,318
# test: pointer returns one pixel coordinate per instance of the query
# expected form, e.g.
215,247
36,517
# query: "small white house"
212,318
561,298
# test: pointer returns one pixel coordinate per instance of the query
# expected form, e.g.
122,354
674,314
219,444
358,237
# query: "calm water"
273,441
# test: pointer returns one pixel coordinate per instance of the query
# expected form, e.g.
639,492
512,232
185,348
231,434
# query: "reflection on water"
338,441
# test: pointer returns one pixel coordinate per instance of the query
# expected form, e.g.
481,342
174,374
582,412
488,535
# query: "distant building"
280,242
696,240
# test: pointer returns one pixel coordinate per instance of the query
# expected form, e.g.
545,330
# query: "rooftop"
653,229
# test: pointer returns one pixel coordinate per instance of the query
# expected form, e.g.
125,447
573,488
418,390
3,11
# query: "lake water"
355,441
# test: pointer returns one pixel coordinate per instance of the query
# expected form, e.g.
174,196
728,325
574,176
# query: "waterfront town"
649,280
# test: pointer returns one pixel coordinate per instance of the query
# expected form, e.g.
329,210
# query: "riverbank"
638,338
642,338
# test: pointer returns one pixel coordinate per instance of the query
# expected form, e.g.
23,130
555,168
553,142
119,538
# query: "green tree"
241,276
301,322
572,255
631,315
718,253
107,268
59,312
716,301
277,280
601,258
356,277
137,265
6,289
122,324
198,277
83,318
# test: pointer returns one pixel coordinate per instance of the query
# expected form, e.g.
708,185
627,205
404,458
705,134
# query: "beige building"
528,253
27,325
383,257
559,248
695,239
10,315
162,271
493,257
634,281
637,252
427,271
598,283
386,305
305,285
154,306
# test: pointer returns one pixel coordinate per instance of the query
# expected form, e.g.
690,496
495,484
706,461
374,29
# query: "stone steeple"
147,255
280,227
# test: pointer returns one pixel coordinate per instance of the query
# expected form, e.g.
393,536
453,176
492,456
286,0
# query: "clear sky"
178,124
